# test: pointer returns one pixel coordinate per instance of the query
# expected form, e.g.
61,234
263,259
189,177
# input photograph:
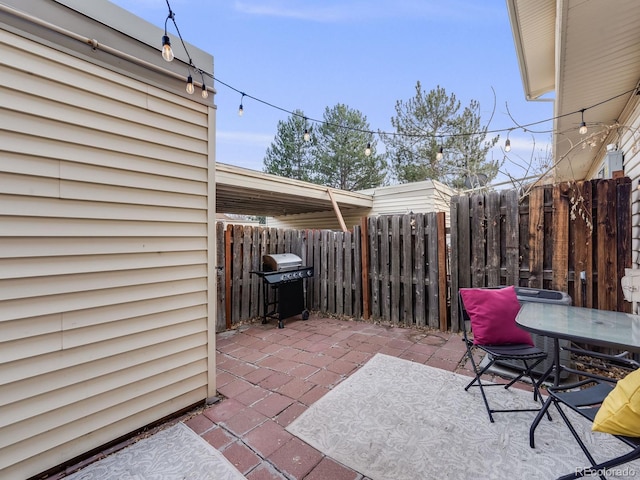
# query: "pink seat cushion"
493,316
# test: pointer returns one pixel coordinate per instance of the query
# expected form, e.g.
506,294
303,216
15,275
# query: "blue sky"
365,54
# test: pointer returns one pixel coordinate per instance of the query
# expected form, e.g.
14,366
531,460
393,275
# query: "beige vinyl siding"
418,197
319,220
105,192
630,146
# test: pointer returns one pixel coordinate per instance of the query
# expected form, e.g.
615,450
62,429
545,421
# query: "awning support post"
336,208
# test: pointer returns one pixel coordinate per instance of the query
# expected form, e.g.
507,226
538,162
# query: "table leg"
556,368
536,421
556,362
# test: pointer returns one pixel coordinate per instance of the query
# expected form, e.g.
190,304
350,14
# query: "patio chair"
488,316
588,401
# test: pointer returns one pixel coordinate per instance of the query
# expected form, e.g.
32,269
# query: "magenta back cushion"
493,316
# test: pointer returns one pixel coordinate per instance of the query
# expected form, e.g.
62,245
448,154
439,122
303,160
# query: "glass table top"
587,325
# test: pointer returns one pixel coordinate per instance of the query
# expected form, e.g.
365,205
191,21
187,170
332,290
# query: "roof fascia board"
532,84
517,40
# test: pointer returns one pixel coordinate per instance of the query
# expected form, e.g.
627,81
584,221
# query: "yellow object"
619,413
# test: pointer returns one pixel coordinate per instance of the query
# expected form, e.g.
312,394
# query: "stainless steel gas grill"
283,287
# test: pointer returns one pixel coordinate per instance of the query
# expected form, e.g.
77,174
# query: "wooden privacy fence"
335,288
574,237
405,256
407,269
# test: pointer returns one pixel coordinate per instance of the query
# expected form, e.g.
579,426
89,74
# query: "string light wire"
524,127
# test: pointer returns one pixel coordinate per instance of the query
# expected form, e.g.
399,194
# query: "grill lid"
279,262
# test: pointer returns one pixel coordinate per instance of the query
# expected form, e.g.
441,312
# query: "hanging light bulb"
241,108
507,145
205,93
190,87
440,154
583,126
306,136
367,151
167,52
583,129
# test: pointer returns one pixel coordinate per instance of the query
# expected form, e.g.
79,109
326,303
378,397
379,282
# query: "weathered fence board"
221,319
511,238
406,273
374,268
535,246
431,231
360,299
419,253
560,239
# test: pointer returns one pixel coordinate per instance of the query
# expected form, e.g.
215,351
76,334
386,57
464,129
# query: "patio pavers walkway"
268,376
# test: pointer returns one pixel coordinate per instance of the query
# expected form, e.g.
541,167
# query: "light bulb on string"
190,88
167,51
583,126
507,145
367,151
205,93
440,154
306,135
241,108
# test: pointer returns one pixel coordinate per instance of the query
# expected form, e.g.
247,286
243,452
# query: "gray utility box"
526,294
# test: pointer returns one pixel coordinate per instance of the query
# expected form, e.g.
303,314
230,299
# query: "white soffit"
533,27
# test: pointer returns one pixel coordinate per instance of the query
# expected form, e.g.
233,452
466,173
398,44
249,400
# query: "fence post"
227,273
364,255
442,269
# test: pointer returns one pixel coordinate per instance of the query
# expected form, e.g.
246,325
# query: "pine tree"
430,124
340,151
289,154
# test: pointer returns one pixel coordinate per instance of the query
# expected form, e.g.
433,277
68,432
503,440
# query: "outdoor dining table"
616,330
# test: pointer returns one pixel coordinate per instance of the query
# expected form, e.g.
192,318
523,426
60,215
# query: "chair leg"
527,371
479,382
575,434
537,396
595,467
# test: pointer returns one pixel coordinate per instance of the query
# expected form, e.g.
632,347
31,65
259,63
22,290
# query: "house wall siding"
105,193
319,220
630,146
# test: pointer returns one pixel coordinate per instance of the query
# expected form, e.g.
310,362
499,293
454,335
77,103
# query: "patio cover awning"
249,192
